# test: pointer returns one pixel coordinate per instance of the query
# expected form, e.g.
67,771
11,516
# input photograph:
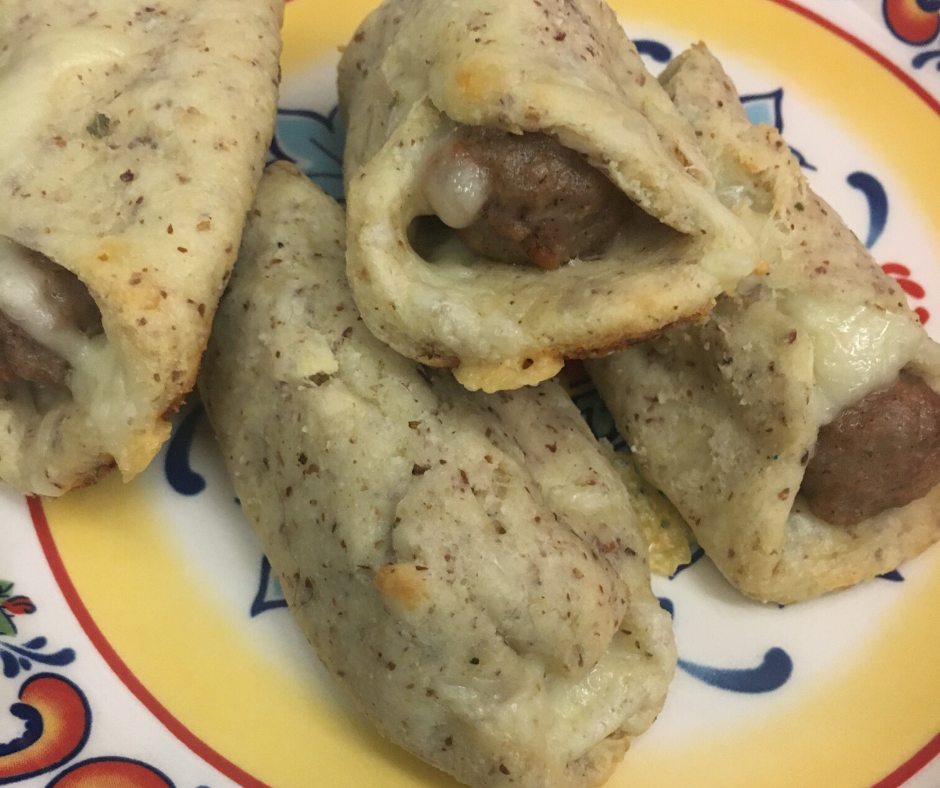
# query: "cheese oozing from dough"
457,189
97,379
856,349
23,299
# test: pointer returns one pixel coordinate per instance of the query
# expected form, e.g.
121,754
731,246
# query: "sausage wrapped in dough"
797,429
131,141
466,566
521,190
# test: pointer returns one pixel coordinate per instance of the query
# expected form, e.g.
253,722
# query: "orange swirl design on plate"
911,23
58,720
113,773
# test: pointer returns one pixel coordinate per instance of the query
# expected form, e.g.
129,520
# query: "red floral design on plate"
10,606
58,721
901,274
113,773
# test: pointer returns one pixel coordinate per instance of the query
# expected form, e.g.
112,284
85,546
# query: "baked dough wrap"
133,140
417,72
725,417
467,567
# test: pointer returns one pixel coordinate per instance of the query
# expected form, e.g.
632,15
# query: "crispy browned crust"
605,347
615,346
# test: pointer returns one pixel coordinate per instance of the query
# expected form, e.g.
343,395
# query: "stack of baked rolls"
468,564
456,545
797,429
520,190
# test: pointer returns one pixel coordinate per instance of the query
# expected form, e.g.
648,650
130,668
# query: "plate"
144,643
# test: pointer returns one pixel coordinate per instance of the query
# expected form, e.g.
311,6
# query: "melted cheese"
23,300
857,349
456,188
99,387
97,380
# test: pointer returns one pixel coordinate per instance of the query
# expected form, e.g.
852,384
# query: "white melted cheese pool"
857,349
22,300
455,187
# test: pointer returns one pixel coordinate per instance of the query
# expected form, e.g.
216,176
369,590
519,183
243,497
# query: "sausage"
882,452
545,204
23,357
66,298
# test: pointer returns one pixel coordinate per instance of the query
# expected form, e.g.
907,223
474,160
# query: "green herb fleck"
100,126
799,206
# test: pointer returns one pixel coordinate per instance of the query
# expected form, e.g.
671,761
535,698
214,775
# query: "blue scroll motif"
653,49
773,672
179,475
313,142
894,576
697,555
269,594
877,200
768,108
801,159
921,60
16,658
32,730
